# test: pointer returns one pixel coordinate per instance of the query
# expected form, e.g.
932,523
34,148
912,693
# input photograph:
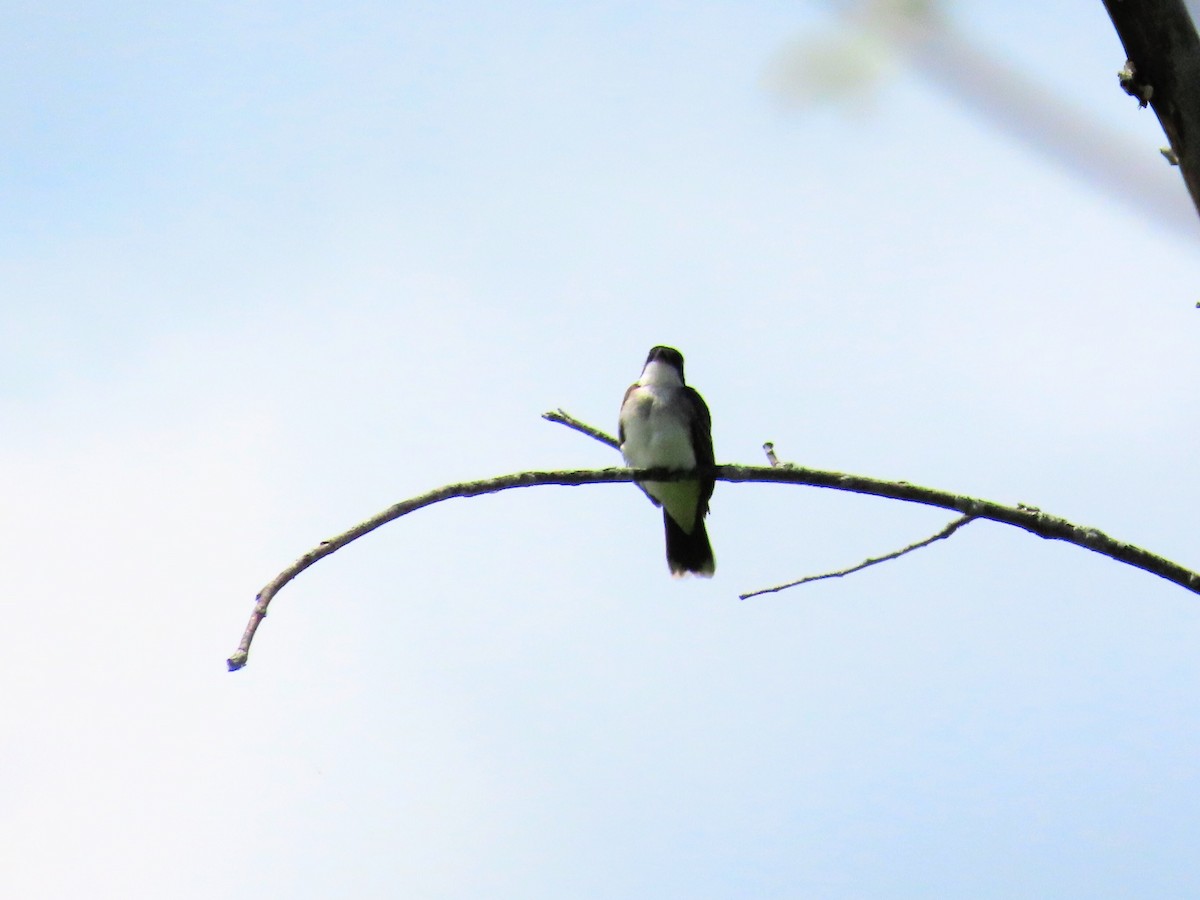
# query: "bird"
664,423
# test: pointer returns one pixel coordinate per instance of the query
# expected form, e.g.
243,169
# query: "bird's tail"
688,552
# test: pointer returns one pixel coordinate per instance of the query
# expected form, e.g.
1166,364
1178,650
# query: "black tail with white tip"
688,553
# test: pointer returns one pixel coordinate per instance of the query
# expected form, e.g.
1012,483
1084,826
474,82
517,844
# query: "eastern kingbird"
665,423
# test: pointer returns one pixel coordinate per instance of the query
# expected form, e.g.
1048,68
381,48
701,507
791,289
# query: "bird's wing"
620,419
702,444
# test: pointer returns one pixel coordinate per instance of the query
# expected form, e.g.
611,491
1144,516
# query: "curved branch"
403,508
1024,517
1027,518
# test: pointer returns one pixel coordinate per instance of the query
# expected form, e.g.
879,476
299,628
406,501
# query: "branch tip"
562,417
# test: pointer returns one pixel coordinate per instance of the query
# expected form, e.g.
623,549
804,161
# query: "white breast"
656,434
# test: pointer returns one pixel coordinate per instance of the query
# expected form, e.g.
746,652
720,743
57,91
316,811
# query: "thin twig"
944,533
564,418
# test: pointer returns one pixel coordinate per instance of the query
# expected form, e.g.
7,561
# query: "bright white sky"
269,268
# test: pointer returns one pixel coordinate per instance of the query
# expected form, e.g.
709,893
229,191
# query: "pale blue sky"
270,268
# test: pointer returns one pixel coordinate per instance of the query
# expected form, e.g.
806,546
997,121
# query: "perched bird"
665,423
